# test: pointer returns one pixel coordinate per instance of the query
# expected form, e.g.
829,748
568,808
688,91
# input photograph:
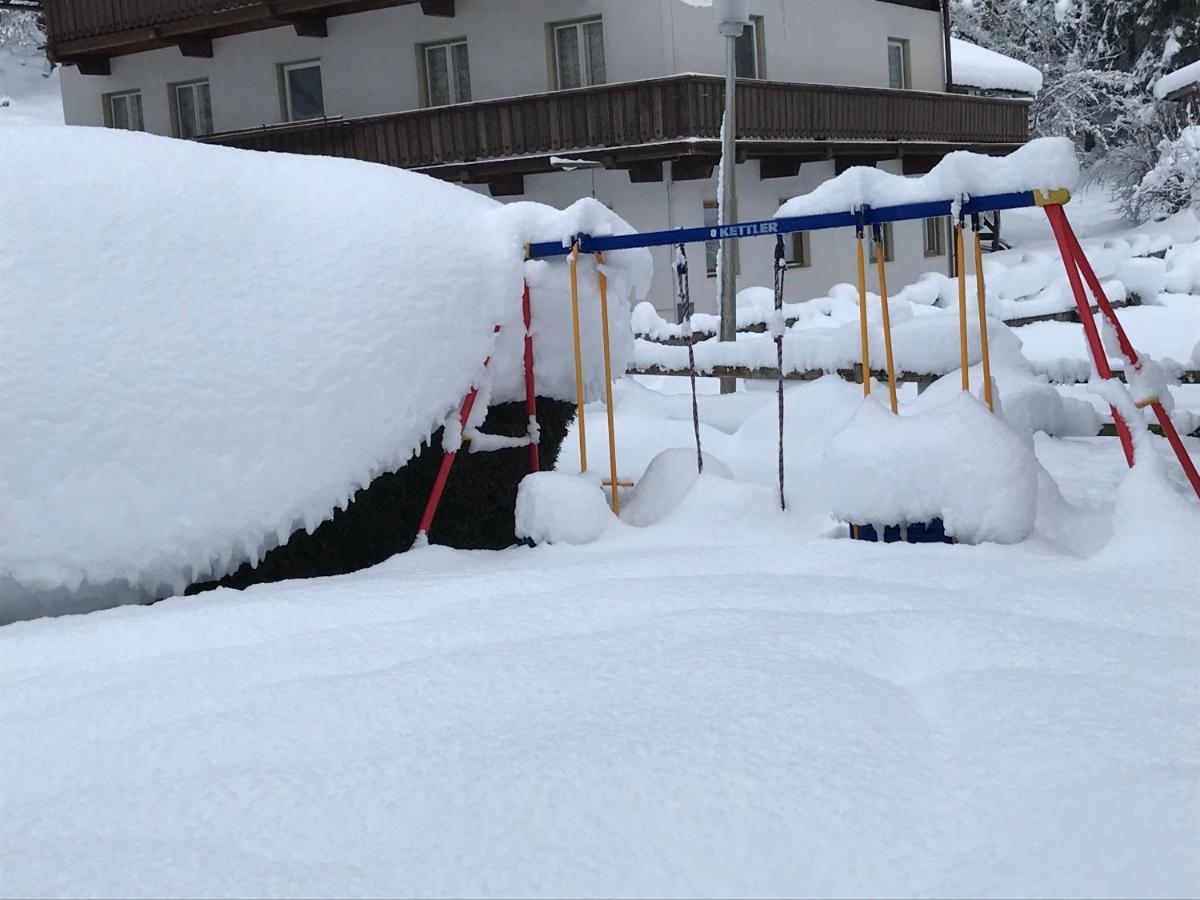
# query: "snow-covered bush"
1174,182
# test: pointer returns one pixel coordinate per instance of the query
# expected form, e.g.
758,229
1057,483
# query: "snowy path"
717,705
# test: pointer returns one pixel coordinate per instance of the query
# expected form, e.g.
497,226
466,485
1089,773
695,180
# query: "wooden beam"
510,186
94,65
692,168
645,172
438,8
196,46
311,26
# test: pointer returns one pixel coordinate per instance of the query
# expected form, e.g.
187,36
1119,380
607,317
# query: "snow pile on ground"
1042,164
558,508
956,462
172,407
1180,78
666,481
978,67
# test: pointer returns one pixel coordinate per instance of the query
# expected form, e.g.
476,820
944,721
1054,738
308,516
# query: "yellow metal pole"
574,267
862,318
608,382
983,334
880,252
960,258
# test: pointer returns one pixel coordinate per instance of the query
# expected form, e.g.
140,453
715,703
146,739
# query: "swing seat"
931,532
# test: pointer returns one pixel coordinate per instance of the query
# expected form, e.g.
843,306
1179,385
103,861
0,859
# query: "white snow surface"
979,67
1180,78
956,462
559,507
207,348
1042,164
664,484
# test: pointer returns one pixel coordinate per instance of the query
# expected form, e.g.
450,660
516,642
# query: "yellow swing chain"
880,253
862,316
574,268
960,261
608,382
980,290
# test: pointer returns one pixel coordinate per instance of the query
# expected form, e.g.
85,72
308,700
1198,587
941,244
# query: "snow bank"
978,67
1174,81
207,349
665,483
1042,164
561,508
957,462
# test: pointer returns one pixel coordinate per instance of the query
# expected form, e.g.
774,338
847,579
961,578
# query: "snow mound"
978,67
207,348
957,462
1174,81
561,508
665,483
1042,164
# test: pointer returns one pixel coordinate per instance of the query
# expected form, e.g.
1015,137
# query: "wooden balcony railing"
656,119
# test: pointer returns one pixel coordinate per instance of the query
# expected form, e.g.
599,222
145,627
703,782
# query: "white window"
447,73
192,104
898,67
579,54
124,111
303,97
935,236
748,50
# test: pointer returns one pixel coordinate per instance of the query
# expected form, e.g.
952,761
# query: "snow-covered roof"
978,67
1177,80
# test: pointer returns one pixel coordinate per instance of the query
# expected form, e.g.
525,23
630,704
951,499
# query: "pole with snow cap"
732,18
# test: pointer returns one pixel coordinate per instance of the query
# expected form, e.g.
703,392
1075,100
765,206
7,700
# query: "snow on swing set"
960,210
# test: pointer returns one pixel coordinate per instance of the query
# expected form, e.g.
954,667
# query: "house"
495,93
978,70
1181,86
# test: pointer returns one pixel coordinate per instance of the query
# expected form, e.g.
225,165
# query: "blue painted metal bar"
876,215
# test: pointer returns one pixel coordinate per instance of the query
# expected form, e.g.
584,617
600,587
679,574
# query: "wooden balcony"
89,32
639,125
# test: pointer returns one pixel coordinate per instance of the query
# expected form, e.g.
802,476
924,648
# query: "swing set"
964,211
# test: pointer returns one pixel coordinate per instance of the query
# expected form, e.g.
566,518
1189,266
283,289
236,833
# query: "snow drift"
211,348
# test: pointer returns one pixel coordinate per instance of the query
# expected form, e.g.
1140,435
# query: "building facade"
552,100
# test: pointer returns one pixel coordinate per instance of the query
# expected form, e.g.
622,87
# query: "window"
898,69
888,244
447,73
578,54
303,97
748,50
935,236
124,111
797,252
191,106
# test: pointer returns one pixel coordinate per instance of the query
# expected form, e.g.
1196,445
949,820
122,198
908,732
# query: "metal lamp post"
732,18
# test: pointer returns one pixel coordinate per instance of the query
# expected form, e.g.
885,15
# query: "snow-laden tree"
21,33
1174,182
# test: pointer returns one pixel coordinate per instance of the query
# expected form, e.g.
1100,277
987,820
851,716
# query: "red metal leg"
530,396
1058,223
443,475
1164,419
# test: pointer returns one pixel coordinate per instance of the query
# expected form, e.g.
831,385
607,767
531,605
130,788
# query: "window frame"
586,78
423,69
800,245
936,227
758,42
285,88
889,244
905,63
176,119
110,117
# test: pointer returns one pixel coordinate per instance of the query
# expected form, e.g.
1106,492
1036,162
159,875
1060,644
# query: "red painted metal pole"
1164,418
530,395
443,475
1058,223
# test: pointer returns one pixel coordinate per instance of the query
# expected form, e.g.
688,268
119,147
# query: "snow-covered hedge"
205,349
1174,182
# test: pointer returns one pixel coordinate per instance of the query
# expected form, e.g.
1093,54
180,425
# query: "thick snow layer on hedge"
978,67
957,462
205,348
1043,164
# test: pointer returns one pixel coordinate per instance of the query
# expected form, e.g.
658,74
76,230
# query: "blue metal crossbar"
866,216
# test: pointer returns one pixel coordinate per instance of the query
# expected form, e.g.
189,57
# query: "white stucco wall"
369,66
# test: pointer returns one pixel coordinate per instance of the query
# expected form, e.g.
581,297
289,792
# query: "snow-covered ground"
724,699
